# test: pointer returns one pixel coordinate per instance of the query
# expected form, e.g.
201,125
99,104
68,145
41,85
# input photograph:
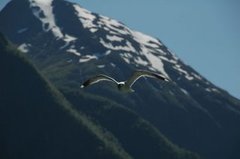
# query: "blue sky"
204,34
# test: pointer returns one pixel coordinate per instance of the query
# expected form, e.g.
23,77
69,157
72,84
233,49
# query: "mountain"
68,44
38,122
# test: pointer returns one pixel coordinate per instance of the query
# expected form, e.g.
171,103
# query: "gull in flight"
124,86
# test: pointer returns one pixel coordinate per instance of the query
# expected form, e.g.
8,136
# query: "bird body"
124,86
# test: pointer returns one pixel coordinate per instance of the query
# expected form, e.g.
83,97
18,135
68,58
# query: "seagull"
124,86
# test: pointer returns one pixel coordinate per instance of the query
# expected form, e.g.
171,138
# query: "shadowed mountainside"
38,122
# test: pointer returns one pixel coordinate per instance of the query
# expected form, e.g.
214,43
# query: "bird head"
121,84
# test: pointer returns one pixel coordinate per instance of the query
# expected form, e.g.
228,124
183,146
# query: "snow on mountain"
150,53
117,31
132,46
43,10
22,30
76,43
86,18
110,37
24,47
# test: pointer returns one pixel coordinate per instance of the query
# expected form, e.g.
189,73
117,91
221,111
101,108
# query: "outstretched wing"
96,79
136,75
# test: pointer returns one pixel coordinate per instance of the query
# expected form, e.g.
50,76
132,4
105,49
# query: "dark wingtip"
165,79
85,84
161,77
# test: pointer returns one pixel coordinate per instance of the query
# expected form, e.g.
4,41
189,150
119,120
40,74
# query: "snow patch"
146,40
212,90
67,38
112,64
186,74
215,90
100,66
140,61
208,90
156,63
126,59
48,20
197,76
108,52
128,47
148,46
73,51
24,47
184,91
20,31
113,26
87,58
168,60
93,30
114,38
174,56
86,17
